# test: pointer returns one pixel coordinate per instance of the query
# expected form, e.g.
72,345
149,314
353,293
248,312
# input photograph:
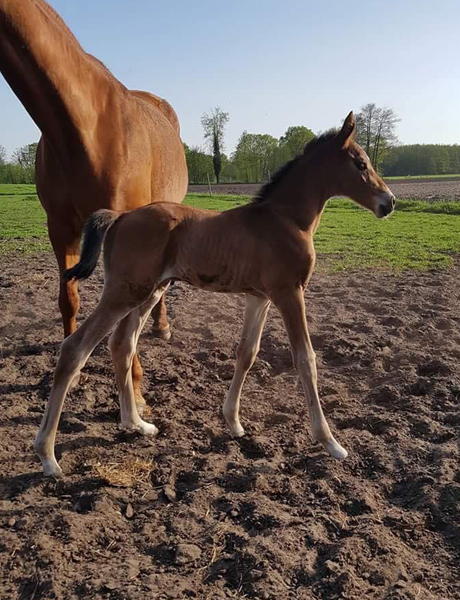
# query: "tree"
255,156
199,164
25,156
2,155
214,127
22,167
294,141
376,131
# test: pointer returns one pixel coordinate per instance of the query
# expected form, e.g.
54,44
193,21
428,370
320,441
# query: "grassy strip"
16,189
417,177
220,202
420,235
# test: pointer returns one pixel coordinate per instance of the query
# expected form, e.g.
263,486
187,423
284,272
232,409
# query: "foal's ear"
347,133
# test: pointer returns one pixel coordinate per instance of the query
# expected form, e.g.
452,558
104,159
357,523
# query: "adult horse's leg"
254,320
66,246
75,351
292,309
137,372
123,344
160,320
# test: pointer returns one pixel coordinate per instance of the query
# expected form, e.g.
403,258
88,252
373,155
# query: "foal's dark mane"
283,171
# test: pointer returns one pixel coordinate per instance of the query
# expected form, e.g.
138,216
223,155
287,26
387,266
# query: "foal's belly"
224,282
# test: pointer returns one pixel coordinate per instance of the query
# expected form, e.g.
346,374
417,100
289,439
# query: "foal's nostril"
393,202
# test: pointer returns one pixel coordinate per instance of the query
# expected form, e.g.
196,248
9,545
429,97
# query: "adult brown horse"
264,249
102,145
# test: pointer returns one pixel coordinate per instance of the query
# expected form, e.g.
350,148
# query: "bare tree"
376,131
385,135
214,128
25,155
365,125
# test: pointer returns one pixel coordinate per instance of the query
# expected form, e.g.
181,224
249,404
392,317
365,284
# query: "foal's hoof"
237,432
162,334
142,427
51,468
335,449
147,429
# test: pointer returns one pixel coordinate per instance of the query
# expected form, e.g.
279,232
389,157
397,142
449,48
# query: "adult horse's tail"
94,232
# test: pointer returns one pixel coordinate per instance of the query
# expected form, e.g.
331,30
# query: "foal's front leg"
254,320
292,308
122,345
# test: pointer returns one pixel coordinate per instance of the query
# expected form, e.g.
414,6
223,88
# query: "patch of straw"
131,472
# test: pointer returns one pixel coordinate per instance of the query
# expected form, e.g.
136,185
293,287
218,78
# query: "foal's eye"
361,166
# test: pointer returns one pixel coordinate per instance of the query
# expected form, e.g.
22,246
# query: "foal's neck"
301,199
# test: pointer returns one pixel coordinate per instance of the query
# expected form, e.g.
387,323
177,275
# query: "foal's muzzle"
385,205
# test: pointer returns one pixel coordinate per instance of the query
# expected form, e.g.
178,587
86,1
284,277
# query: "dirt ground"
408,189
270,516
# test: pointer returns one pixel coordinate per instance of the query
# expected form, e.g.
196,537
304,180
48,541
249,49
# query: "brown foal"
264,250
102,145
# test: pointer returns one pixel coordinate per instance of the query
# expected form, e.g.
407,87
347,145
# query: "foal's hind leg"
254,320
123,344
292,309
75,351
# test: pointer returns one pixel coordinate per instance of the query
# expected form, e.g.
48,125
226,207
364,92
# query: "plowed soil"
408,189
269,516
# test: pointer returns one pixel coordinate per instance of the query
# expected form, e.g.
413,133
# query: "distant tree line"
257,156
422,159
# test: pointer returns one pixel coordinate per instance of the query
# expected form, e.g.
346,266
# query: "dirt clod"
186,553
170,493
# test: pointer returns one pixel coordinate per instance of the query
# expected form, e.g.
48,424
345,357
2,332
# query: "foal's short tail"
94,231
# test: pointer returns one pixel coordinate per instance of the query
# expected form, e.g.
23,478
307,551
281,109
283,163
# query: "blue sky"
274,63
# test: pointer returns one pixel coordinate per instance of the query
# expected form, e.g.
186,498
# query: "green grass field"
419,235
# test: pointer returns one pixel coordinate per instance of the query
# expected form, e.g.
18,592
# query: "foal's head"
349,171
